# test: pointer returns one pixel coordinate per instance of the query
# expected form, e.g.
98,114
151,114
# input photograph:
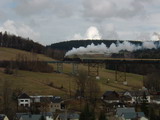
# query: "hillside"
36,83
59,83
68,45
11,53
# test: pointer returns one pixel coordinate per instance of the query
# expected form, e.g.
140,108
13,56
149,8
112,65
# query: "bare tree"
8,109
81,82
92,89
87,86
152,81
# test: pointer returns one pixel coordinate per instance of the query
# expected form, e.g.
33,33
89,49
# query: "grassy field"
36,83
10,54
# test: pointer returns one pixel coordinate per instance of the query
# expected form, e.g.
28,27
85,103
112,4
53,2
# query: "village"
115,105
79,60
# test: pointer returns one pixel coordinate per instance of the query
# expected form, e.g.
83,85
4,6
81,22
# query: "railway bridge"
96,63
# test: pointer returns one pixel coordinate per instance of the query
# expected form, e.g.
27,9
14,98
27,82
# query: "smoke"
155,37
92,33
113,48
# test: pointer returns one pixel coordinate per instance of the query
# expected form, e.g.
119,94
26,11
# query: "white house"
156,99
24,100
56,104
37,99
138,96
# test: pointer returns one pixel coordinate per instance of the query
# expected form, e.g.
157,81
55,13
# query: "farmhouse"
111,97
24,100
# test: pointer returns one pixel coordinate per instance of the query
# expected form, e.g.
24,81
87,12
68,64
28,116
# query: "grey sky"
50,21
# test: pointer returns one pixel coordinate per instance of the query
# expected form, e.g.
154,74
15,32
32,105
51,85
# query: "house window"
22,100
21,105
26,100
51,106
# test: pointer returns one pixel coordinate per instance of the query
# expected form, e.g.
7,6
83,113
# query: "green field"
36,83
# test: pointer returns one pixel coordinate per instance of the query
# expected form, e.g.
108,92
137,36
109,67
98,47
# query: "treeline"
17,42
136,68
26,62
68,45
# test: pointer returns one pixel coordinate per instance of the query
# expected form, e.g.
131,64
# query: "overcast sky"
51,21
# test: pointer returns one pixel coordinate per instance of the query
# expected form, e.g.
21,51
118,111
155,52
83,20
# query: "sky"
52,21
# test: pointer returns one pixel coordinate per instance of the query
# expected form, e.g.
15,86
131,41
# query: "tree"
1,40
42,118
5,39
102,116
81,82
92,90
152,81
144,107
8,109
87,113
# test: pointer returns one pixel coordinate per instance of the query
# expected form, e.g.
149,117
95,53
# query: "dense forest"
17,42
68,45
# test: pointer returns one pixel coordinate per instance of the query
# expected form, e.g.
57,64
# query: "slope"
11,53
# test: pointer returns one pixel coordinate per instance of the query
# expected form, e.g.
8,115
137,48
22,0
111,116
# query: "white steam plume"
113,48
92,33
155,37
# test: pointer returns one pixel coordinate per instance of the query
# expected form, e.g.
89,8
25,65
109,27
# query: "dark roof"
31,117
47,114
57,99
126,98
2,116
27,116
133,115
23,95
46,99
64,116
18,115
120,111
111,95
139,93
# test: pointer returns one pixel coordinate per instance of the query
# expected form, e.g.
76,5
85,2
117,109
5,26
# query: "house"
111,97
120,111
56,103
3,117
67,116
18,115
133,116
24,100
46,103
138,96
129,114
37,99
36,117
156,99
126,99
